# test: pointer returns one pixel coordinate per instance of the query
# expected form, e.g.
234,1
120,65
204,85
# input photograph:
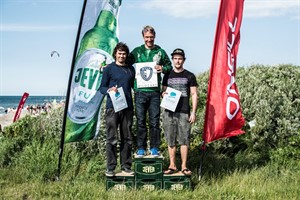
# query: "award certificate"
118,99
146,75
170,100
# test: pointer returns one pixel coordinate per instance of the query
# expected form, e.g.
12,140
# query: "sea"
13,101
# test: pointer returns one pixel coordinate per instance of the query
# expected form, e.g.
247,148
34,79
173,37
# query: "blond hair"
148,29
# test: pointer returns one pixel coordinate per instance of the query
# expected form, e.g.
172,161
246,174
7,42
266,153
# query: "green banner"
97,39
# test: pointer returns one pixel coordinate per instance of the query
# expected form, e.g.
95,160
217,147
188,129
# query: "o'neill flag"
96,39
223,117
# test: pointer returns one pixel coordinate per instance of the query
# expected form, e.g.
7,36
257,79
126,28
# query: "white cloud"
183,8
33,28
203,8
269,8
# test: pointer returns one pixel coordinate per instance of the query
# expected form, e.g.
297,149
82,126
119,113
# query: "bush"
270,96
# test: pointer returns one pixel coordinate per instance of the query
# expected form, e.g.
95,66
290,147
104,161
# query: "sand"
7,119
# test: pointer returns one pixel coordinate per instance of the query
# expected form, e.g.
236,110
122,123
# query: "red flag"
223,117
20,107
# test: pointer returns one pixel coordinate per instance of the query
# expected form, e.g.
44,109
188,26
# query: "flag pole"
61,147
202,153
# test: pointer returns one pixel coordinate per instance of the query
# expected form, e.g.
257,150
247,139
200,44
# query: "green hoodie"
141,54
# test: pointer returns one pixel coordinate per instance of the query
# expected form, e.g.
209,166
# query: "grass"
272,181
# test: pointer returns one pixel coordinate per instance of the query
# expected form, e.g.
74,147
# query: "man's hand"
114,88
192,118
158,68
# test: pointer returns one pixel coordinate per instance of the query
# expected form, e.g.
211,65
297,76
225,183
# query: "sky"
31,29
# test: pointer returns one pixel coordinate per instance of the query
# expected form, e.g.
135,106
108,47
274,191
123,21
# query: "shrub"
270,96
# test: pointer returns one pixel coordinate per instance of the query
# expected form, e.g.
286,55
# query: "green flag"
98,36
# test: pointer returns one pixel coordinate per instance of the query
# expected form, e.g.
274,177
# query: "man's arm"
194,104
104,82
164,88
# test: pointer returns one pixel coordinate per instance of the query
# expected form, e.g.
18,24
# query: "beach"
7,119
33,106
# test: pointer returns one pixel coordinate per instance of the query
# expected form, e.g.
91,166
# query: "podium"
148,175
148,172
121,181
176,181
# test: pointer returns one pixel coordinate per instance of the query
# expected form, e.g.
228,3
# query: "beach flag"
223,117
96,39
20,107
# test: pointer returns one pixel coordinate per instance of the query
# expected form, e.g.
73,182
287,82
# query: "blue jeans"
148,102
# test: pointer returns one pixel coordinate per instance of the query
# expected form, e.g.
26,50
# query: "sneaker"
140,153
154,152
109,172
127,171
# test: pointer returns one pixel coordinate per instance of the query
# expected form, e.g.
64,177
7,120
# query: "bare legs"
183,153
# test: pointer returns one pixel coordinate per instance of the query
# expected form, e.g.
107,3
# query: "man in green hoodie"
148,99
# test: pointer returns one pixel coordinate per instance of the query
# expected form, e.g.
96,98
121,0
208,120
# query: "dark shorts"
177,127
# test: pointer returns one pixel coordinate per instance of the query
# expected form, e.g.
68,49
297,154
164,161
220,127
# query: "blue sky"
31,29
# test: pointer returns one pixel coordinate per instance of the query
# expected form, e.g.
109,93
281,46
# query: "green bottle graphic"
95,51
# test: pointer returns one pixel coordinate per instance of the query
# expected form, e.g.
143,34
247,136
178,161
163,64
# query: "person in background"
147,100
118,74
177,125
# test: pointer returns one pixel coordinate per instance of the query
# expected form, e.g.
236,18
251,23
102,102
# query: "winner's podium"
120,181
148,172
148,175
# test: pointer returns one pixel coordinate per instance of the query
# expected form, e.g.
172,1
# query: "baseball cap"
178,51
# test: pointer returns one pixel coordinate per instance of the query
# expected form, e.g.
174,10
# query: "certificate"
118,99
170,100
146,74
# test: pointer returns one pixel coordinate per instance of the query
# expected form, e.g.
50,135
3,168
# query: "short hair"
148,29
121,47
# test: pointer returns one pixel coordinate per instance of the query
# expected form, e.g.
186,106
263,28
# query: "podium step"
148,167
148,175
148,184
121,181
176,181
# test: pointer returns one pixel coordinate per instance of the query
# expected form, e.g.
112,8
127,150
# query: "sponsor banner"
223,117
20,107
98,36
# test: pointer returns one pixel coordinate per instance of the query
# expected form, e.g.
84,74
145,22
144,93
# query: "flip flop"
170,171
187,172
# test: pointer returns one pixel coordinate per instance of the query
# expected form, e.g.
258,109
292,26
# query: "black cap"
178,52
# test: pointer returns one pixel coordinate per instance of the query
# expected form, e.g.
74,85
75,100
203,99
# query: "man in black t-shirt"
177,124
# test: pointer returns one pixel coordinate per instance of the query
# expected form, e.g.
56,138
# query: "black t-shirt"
181,81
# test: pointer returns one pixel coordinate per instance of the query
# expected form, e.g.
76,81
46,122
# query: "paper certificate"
118,99
146,75
170,100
